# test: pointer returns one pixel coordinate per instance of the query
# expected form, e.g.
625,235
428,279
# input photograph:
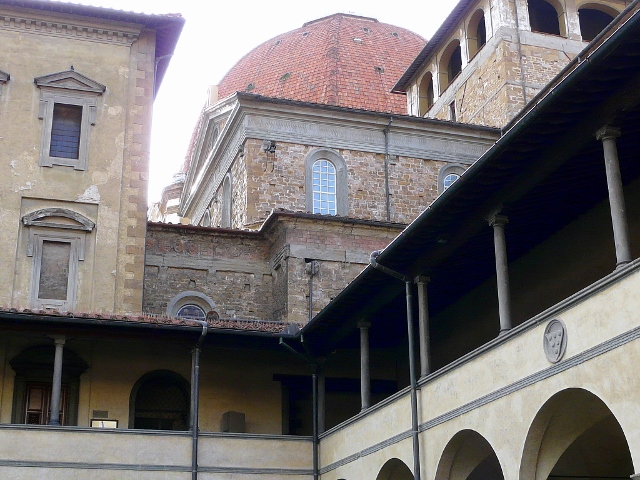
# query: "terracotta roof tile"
343,60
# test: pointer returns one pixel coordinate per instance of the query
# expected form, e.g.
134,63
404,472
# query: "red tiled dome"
343,60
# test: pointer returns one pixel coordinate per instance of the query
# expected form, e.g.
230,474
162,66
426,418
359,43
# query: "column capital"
58,339
421,279
362,325
497,220
607,132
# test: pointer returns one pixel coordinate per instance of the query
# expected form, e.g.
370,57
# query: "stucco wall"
112,188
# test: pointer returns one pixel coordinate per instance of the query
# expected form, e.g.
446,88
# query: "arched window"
225,221
191,304
546,17
160,401
206,219
324,188
426,93
448,175
450,64
477,33
191,311
593,19
326,183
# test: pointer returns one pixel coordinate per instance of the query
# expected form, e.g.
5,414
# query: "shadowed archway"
469,456
575,435
395,469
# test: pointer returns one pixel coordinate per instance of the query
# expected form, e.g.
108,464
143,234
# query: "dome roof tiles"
342,60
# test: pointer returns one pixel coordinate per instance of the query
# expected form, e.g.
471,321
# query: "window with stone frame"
68,109
448,175
326,183
56,243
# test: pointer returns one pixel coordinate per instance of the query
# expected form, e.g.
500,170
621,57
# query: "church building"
382,258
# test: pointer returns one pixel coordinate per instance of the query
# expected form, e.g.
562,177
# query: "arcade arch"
395,469
575,435
469,456
594,17
450,64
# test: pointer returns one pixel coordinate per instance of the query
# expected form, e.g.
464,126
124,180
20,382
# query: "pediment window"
56,243
68,109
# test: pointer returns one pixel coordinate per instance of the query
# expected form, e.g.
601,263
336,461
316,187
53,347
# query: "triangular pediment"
70,80
4,77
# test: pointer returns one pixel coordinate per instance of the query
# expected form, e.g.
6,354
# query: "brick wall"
231,268
272,181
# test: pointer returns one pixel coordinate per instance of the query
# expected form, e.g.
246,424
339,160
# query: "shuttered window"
65,131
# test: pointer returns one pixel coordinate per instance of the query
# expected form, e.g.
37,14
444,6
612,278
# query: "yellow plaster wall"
117,158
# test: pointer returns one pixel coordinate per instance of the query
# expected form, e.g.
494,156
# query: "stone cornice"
58,26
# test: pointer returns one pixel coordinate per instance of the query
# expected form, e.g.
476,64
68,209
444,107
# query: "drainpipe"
314,387
195,397
386,169
312,269
155,69
412,366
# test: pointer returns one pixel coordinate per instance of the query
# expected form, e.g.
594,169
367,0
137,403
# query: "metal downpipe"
412,365
387,193
195,397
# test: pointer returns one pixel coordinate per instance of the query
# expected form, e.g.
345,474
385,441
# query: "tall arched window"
477,35
325,200
160,401
593,19
450,64
225,221
326,182
546,17
426,93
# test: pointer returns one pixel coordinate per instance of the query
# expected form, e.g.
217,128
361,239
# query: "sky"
219,33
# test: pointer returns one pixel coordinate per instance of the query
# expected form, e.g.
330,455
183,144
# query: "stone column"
608,136
423,326
56,387
502,271
365,374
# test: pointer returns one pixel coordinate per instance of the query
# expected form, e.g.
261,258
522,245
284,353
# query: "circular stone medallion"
554,340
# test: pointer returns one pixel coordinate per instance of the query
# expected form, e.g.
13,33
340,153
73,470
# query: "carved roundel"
554,341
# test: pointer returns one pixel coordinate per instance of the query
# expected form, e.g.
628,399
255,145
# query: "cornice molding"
60,27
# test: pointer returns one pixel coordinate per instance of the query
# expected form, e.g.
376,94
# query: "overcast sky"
218,33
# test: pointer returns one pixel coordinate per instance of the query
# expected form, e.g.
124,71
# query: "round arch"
190,298
395,469
547,16
341,187
160,400
575,434
469,456
594,17
450,64
476,32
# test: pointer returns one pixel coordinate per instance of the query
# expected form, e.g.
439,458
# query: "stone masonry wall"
278,181
231,268
341,250
492,95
